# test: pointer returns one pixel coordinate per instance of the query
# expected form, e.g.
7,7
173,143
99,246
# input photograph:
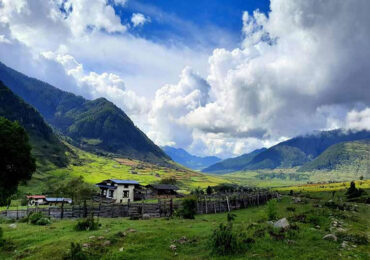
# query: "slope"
46,147
299,150
347,156
96,125
182,157
233,164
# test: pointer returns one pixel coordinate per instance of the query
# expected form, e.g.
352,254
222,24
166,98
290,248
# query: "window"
125,186
125,194
110,194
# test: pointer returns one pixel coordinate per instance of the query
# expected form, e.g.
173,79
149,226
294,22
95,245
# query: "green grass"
96,168
153,238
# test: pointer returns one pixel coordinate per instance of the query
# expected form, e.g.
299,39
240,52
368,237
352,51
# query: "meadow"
177,238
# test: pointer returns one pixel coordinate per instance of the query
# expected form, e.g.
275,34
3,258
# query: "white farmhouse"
119,190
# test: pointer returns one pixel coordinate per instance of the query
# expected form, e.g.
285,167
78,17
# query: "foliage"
1,237
75,188
87,224
271,209
37,218
189,207
16,161
225,241
353,192
76,253
209,190
169,180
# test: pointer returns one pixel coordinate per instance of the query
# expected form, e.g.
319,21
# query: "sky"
213,77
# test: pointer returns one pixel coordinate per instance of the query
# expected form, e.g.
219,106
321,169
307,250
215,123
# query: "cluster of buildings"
123,191
120,191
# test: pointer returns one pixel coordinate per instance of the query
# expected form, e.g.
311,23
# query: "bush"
271,209
87,224
224,241
75,253
1,237
37,218
169,180
189,207
353,192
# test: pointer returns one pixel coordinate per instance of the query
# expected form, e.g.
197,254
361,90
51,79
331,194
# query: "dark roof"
36,197
122,181
164,187
106,186
58,199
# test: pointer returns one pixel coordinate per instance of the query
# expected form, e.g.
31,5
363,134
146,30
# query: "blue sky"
200,23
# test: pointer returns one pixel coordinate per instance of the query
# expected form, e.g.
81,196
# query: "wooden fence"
163,208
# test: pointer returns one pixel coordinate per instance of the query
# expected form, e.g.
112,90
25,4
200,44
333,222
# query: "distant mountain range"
324,150
46,147
233,164
181,156
95,125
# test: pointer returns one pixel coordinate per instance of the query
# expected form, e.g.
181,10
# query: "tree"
209,190
16,162
353,192
75,188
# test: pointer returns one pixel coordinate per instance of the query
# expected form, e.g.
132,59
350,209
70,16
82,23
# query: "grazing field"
96,168
317,187
310,220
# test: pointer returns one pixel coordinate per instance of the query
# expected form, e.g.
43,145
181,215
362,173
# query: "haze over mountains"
181,156
96,125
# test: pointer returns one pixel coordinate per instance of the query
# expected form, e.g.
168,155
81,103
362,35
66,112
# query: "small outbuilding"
121,191
58,201
162,190
34,200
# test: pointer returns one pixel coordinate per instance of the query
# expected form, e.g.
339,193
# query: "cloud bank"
302,67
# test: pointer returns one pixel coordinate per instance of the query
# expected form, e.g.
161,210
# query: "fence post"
171,207
112,209
17,212
159,207
205,201
85,209
49,211
62,212
142,209
228,205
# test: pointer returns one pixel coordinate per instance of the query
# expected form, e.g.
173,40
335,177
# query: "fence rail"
163,208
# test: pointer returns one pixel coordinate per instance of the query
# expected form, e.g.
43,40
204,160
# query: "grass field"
152,239
96,168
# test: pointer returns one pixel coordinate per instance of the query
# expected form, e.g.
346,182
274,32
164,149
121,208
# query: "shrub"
292,209
272,209
87,224
169,180
353,192
209,190
1,237
37,218
189,207
224,241
75,253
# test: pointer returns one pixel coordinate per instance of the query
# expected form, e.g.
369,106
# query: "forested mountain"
46,147
351,156
181,156
302,149
96,125
233,164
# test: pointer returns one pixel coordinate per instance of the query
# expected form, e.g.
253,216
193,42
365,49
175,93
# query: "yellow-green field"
316,187
96,168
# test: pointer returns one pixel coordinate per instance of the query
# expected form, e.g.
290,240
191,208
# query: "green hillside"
46,147
348,156
96,125
299,150
233,164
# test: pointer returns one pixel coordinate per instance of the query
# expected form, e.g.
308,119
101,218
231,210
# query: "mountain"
95,125
233,164
351,156
302,149
46,147
181,156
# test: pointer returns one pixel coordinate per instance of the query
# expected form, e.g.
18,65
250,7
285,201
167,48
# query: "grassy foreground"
152,239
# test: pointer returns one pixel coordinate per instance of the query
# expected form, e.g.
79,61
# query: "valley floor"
153,239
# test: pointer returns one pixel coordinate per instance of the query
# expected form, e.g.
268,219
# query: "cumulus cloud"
301,68
139,19
359,120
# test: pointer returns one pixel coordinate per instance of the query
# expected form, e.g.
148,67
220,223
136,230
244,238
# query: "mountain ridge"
95,125
181,156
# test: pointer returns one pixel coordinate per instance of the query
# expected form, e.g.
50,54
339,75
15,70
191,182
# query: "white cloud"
139,19
302,67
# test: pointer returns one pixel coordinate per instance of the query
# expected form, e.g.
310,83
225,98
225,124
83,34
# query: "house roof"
117,181
164,187
36,197
106,186
58,199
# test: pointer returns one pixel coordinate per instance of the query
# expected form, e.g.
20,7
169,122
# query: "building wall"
118,193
